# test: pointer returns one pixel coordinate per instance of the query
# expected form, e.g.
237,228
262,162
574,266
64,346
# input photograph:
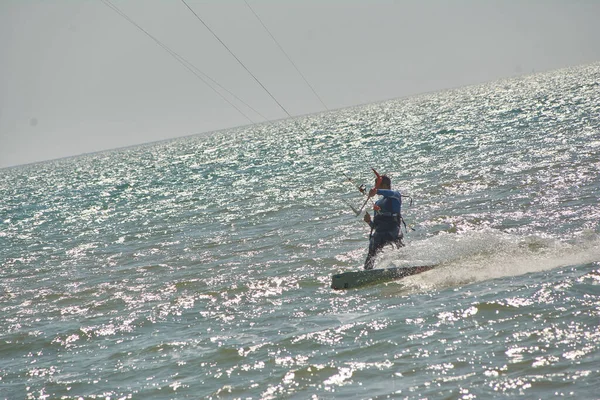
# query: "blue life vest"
387,217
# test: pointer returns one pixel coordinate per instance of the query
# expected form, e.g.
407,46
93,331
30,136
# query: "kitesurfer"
385,224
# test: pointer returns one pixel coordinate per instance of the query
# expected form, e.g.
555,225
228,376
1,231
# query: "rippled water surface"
200,267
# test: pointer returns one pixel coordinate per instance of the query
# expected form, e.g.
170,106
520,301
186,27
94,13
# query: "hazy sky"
77,77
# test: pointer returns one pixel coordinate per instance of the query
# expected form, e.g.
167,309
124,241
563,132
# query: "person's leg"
374,246
398,241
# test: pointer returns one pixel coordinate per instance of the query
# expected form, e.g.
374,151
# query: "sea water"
201,267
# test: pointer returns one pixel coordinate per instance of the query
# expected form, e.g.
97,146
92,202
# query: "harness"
389,215
383,215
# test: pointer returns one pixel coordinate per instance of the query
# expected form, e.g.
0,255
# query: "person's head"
386,182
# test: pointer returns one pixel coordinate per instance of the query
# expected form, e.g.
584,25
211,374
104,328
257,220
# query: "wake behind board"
354,279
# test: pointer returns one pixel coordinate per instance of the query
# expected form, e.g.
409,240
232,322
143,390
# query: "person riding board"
385,225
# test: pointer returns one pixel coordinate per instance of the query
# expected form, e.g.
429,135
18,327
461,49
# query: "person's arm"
367,219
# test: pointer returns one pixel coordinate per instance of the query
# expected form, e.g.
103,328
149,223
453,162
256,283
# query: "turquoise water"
200,267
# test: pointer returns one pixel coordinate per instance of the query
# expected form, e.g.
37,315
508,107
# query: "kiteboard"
354,279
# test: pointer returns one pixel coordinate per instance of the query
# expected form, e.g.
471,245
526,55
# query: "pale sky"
76,77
